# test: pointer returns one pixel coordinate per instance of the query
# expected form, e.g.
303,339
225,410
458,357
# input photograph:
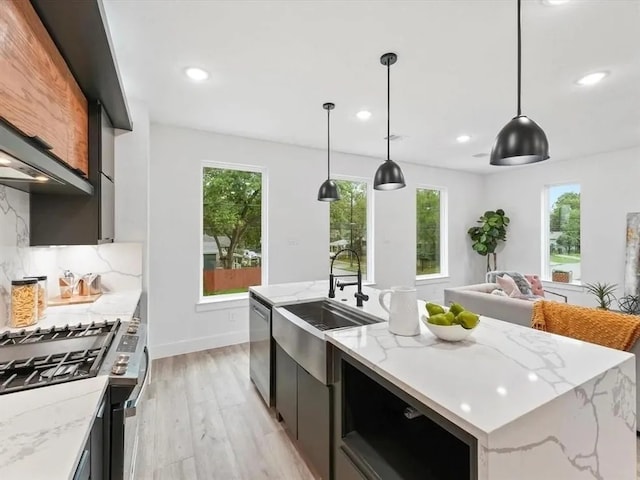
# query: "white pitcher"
403,314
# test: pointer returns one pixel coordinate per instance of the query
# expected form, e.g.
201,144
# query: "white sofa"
478,299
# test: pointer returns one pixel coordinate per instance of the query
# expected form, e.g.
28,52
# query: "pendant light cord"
519,59
328,144
388,107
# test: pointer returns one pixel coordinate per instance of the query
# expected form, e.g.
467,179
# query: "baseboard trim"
198,344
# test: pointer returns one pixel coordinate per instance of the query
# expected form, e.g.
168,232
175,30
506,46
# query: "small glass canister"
24,302
43,295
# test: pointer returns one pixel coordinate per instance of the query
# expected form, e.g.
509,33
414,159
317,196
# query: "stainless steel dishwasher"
260,348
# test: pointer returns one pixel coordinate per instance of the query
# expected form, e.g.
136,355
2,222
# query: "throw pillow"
499,293
536,284
523,284
509,286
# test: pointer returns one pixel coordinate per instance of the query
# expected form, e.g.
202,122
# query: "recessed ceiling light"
41,178
363,115
555,2
196,74
5,161
463,138
592,78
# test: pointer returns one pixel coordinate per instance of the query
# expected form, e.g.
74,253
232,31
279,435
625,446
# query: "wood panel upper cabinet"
38,94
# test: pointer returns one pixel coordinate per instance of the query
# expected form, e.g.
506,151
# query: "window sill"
222,302
429,279
570,287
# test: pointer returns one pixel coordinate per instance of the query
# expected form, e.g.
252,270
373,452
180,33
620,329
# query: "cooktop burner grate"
56,355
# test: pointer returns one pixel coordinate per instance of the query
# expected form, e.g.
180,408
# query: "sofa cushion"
536,284
521,281
509,285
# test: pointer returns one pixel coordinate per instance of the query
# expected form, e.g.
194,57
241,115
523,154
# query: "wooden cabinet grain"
38,94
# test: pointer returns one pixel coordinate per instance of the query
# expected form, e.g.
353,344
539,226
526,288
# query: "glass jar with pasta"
24,302
43,295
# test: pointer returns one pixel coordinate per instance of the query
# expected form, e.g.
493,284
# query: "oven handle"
131,406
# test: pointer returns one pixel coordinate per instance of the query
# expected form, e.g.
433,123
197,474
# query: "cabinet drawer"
38,94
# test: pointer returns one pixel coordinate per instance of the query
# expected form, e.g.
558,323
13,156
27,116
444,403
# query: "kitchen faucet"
333,283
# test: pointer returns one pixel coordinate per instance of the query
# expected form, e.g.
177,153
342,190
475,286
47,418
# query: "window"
348,220
562,233
431,257
232,217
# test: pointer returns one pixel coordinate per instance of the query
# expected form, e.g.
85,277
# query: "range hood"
26,167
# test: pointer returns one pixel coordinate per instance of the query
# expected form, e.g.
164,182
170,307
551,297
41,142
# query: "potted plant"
603,292
492,230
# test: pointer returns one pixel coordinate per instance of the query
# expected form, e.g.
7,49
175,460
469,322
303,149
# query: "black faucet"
333,283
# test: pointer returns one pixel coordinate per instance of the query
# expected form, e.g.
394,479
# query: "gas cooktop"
30,359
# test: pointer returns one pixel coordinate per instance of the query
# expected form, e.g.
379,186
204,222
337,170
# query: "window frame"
545,271
444,231
370,275
203,299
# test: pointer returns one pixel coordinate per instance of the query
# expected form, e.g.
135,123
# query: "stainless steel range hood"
26,167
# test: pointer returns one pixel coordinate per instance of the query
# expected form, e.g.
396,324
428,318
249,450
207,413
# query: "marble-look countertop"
108,307
497,375
44,430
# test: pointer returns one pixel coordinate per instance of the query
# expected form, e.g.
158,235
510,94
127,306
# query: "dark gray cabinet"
304,404
81,219
314,421
287,390
345,468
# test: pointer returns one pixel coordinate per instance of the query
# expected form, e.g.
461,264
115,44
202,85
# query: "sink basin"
308,347
325,315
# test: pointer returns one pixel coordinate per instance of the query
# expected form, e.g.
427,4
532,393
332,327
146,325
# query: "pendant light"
389,175
328,190
521,141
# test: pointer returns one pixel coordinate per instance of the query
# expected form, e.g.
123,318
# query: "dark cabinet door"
287,390
345,468
314,421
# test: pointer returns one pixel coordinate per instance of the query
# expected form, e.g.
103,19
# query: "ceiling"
274,63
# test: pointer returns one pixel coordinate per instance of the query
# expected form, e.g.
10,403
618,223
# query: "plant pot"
561,276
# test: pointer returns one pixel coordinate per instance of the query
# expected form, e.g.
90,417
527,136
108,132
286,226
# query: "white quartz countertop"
108,307
43,431
498,374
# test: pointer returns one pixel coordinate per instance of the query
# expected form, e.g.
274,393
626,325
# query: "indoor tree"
492,230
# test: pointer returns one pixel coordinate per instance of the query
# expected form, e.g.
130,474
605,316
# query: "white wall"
609,190
298,229
132,187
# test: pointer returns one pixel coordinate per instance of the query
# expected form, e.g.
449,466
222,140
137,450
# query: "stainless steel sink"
307,346
325,315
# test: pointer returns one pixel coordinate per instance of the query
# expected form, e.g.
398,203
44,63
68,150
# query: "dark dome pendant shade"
328,191
389,175
521,141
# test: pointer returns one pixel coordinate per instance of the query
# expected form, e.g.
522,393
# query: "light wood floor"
204,420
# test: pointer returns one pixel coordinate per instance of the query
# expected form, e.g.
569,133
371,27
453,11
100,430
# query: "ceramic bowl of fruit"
453,325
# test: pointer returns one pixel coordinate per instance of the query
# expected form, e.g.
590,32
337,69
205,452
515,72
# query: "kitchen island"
540,406
529,404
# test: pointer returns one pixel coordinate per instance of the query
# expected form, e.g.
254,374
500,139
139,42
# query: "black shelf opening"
377,435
